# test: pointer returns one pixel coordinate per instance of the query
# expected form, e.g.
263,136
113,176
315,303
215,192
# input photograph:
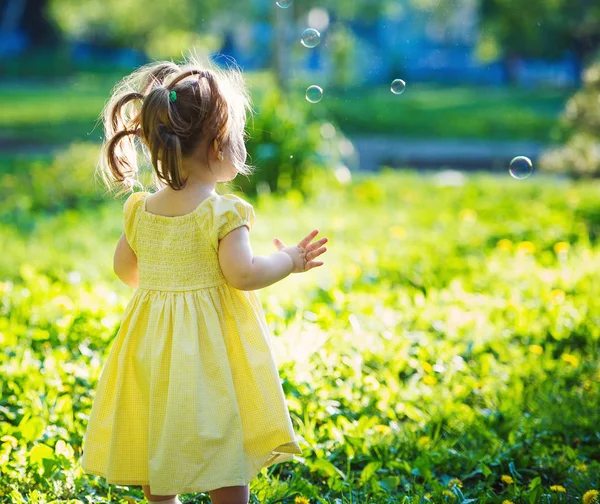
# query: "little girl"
189,399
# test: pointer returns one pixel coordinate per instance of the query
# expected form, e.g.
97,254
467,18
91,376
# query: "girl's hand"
303,254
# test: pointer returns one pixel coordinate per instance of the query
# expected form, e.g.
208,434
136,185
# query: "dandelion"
301,500
571,359
504,245
558,488
561,248
449,494
557,295
429,380
468,215
526,247
507,479
536,349
591,497
455,482
397,232
427,496
507,502
581,468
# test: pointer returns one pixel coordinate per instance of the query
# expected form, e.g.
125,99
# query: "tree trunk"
40,30
509,64
281,49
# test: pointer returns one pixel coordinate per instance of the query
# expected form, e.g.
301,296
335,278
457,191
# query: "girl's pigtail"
119,154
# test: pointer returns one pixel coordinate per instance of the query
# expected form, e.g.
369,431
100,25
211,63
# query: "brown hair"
210,106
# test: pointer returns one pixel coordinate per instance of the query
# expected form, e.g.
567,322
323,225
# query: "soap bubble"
520,167
310,38
284,4
314,94
398,86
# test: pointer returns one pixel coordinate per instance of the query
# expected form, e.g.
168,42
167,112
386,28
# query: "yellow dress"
189,398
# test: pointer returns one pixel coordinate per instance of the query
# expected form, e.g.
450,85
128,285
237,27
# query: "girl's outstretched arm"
125,263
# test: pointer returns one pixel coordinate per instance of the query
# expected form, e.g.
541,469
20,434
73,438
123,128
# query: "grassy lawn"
64,111
447,351
451,112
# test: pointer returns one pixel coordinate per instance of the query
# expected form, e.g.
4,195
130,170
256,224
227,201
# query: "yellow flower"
507,502
455,481
558,488
429,380
571,359
468,215
507,479
397,232
427,367
526,247
427,496
581,467
591,497
557,295
449,494
382,429
561,248
536,349
301,500
354,270
504,245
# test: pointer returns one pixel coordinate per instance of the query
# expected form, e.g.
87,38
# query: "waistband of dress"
182,289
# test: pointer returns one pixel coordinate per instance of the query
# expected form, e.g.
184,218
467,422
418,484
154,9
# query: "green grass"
68,110
452,112
445,337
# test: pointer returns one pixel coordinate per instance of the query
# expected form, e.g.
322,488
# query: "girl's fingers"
313,264
316,244
315,253
305,241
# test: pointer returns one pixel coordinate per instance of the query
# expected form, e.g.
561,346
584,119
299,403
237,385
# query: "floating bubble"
284,4
314,94
520,167
398,86
310,38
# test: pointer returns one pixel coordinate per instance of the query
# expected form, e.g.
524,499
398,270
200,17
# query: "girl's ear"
218,153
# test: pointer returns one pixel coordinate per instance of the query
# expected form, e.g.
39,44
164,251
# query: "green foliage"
136,24
541,28
447,351
287,145
580,157
53,184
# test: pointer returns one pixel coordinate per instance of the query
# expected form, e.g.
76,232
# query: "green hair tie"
173,96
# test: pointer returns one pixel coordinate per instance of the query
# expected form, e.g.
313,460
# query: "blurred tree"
540,28
135,23
580,157
28,16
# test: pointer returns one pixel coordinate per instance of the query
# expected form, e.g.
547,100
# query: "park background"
447,351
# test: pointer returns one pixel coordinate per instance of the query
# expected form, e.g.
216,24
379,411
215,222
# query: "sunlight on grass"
448,349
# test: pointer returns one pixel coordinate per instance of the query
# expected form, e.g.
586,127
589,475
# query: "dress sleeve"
231,212
131,211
